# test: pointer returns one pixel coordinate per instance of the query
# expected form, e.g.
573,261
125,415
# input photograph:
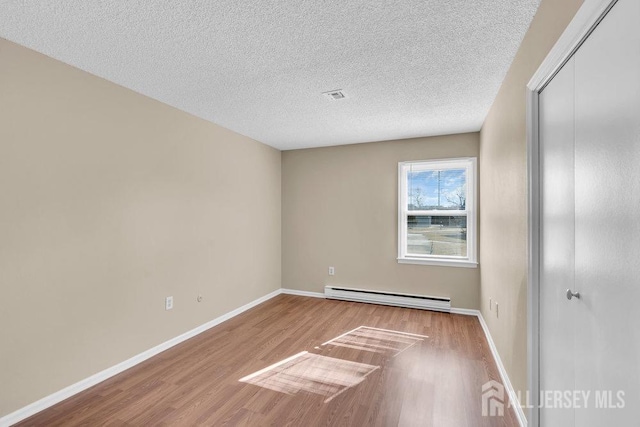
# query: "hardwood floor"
366,378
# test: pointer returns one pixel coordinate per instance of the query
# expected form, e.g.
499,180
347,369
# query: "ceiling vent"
335,94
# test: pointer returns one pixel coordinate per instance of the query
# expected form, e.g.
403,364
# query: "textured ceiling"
409,68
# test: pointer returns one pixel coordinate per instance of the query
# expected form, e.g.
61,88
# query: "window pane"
437,235
437,189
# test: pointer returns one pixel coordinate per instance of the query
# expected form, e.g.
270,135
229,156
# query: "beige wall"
110,201
503,192
340,208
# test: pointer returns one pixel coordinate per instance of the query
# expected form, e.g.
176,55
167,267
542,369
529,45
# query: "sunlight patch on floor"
330,376
313,373
376,340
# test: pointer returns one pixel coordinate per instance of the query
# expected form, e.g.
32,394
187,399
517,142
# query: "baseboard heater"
388,298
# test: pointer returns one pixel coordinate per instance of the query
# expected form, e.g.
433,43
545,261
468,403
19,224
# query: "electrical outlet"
168,303
497,312
332,271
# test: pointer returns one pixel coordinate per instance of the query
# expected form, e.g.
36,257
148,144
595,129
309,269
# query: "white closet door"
557,329
607,223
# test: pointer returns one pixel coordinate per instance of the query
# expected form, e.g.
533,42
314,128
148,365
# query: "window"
437,212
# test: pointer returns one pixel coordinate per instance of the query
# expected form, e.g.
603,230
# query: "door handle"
572,294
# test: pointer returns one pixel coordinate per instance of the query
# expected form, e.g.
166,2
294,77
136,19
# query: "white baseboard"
302,293
513,397
465,311
84,384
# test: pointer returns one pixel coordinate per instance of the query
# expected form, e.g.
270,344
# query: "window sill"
439,262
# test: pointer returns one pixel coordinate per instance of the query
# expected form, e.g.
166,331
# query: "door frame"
584,22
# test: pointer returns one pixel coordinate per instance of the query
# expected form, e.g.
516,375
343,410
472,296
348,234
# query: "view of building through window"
436,212
441,190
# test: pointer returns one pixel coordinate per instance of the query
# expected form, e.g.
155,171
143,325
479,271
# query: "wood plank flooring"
363,379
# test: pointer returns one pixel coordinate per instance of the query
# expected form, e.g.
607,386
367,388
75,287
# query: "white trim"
513,397
588,16
435,212
302,293
533,255
586,19
465,311
84,384
442,262
471,167
435,164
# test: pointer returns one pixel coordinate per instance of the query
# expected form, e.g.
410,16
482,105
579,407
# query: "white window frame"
467,163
